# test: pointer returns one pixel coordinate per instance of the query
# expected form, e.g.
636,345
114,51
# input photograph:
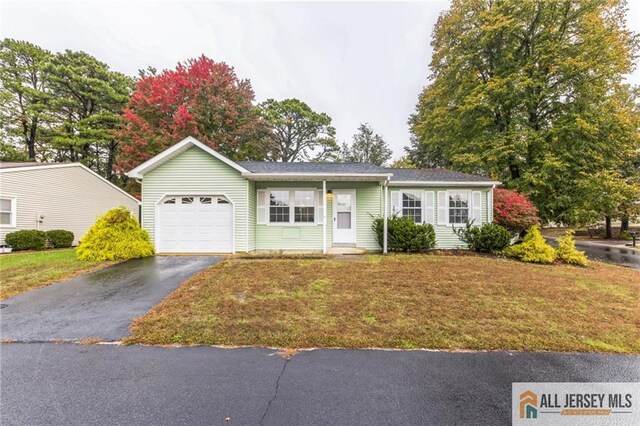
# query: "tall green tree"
530,92
88,99
367,147
298,133
24,95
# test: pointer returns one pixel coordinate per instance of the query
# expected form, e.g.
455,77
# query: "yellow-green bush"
116,235
533,248
567,253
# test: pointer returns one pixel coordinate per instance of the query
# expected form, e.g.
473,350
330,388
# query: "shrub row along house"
48,196
195,200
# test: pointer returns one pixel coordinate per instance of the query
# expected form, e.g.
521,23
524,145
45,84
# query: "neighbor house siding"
195,171
309,237
445,237
70,198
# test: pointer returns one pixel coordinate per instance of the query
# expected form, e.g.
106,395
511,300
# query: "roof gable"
176,150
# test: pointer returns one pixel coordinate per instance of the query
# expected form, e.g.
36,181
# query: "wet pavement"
70,384
622,255
100,304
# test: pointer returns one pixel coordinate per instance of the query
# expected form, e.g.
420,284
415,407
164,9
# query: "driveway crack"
275,394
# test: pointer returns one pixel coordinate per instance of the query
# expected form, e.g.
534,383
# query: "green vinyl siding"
309,237
195,171
445,236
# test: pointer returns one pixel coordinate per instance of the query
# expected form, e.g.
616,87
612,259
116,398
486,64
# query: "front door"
344,216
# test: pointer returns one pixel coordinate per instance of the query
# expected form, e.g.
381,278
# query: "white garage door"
195,224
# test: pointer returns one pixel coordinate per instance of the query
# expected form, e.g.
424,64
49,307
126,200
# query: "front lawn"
401,301
24,271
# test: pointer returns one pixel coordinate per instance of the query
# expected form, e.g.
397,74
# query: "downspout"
384,232
324,217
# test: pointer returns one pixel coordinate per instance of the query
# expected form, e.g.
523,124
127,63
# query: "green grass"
402,301
24,271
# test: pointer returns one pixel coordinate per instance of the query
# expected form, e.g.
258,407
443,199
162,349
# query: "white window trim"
469,206
292,205
422,203
14,211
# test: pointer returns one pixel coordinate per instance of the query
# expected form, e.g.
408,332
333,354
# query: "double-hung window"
8,212
292,206
458,207
412,205
279,207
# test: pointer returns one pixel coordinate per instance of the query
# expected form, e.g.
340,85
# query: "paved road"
101,304
627,256
68,384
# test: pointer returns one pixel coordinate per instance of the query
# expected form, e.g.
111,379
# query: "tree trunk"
624,224
608,233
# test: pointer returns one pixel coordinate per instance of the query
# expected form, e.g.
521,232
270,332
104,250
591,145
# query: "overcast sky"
358,62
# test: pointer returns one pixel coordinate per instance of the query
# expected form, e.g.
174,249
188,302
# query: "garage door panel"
195,226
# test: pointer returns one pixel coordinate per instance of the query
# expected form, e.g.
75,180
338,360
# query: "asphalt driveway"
100,304
69,384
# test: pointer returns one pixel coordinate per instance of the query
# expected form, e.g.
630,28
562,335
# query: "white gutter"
444,183
331,176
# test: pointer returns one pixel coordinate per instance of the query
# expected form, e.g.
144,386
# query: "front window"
412,206
7,212
279,207
292,206
458,207
304,206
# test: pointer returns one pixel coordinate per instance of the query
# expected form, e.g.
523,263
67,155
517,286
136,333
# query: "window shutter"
396,204
428,207
443,208
476,204
262,207
319,207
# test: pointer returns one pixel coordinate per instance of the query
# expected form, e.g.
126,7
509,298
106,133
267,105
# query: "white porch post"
324,217
384,232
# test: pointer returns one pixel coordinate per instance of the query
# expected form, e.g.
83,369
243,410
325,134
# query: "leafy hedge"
567,253
59,238
533,248
27,239
488,238
116,235
405,235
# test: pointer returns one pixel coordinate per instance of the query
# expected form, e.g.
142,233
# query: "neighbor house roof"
15,165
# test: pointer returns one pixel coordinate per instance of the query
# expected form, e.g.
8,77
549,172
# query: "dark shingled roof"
309,167
433,175
399,175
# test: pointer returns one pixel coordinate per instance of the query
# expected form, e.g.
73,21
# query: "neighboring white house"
56,196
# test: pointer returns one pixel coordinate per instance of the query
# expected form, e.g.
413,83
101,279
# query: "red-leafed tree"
200,98
513,210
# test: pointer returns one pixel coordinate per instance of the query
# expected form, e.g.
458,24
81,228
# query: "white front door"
344,216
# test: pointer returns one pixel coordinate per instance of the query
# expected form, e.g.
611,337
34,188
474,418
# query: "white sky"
358,62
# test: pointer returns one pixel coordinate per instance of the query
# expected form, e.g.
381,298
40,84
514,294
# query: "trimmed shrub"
488,238
625,235
27,239
533,248
567,253
513,210
59,238
116,235
405,235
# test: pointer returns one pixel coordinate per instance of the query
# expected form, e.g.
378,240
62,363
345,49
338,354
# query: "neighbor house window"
279,207
292,206
458,207
8,212
412,206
